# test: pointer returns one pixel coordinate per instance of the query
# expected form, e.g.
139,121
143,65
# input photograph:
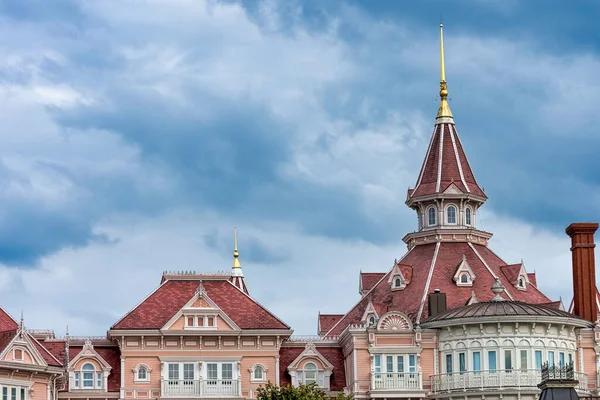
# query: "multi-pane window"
431,216
377,362
88,375
468,216
212,371
451,215
259,373
14,393
200,321
188,372
173,372
76,378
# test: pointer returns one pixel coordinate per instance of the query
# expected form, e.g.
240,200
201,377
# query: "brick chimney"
584,269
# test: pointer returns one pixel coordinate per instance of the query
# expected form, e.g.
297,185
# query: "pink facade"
449,319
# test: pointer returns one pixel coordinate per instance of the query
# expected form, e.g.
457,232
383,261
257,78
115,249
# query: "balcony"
386,383
481,381
218,388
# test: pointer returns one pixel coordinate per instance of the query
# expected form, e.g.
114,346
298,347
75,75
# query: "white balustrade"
396,380
200,388
494,380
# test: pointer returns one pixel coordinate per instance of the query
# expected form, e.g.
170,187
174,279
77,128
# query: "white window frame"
196,318
136,372
253,370
435,216
22,350
469,214
447,214
21,392
321,380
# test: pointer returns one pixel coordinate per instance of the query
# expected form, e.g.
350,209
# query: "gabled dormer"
200,313
464,275
88,371
516,275
311,367
400,276
370,316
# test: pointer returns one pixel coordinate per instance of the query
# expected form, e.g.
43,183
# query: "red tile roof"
5,338
511,272
156,310
326,321
112,356
445,150
57,349
369,279
333,354
46,355
553,304
411,299
7,323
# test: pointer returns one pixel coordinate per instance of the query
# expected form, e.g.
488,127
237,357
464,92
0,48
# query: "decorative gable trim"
400,276
88,351
517,275
310,351
394,321
369,312
473,299
453,189
23,341
212,310
464,275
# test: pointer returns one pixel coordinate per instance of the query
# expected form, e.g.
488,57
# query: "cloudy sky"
134,134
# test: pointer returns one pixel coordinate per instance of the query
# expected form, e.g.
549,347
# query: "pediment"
453,189
394,321
22,350
310,351
463,269
201,306
88,352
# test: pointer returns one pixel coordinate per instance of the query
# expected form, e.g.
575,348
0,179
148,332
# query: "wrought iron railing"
497,380
566,372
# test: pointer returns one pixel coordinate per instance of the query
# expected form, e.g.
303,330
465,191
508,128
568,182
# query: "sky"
134,134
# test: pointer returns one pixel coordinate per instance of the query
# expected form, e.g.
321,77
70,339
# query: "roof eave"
571,321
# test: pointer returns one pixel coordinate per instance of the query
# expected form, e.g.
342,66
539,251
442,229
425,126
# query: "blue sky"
136,133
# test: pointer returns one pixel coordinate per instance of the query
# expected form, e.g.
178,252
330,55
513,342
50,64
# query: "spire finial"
444,110
236,262
21,323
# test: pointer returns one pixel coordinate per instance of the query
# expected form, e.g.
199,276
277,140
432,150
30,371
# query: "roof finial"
497,289
444,110
236,262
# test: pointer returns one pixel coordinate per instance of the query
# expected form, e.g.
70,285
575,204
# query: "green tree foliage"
302,392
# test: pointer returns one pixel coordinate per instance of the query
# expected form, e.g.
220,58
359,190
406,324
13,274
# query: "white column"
48,387
122,378
277,370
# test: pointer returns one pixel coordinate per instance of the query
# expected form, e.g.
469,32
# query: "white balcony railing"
496,380
200,388
396,381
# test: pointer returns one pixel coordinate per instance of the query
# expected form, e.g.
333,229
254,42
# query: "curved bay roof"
515,310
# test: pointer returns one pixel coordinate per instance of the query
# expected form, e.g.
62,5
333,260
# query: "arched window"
468,216
142,374
431,216
371,320
521,282
464,278
310,373
451,215
88,375
397,282
259,373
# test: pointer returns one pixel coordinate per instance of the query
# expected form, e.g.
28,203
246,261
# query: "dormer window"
431,212
464,278
468,216
88,377
200,321
397,282
371,320
521,283
451,215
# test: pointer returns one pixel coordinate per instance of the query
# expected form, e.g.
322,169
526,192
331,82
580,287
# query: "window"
200,321
76,378
310,373
212,371
400,364
507,360
259,373
377,362
98,379
397,282
18,355
561,359
14,393
468,216
521,283
570,359
462,363
451,215
538,359
464,278
449,363
216,374
188,372
174,372
141,373
523,360
431,216
551,359
88,375
371,320
412,364
476,361
492,361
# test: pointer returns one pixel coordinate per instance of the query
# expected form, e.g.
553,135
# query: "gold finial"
444,110
236,262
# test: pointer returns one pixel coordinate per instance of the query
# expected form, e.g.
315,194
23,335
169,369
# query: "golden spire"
236,262
444,110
